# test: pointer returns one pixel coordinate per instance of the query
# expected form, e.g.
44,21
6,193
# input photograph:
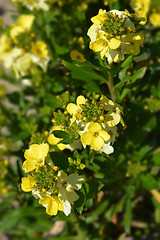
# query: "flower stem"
110,84
76,222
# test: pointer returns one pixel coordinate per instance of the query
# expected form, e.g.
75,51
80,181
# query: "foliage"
79,120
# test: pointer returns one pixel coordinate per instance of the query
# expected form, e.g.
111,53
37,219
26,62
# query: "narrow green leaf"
128,216
60,134
127,62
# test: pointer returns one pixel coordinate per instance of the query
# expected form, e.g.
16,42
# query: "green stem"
110,84
91,156
75,219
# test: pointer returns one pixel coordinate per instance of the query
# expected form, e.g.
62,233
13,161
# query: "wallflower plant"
67,86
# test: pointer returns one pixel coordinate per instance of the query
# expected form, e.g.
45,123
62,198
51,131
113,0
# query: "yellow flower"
54,204
77,56
40,49
141,7
155,19
107,34
133,43
23,24
28,183
4,44
95,137
100,18
113,117
35,156
54,140
74,109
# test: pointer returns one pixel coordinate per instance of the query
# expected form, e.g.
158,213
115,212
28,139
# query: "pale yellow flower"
75,110
113,117
35,156
95,136
28,183
39,49
23,24
53,204
67,186
54,140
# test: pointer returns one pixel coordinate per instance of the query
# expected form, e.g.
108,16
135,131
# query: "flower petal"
94,127
97,143
103,134
81,100
86,138
28,183
114,43
72,108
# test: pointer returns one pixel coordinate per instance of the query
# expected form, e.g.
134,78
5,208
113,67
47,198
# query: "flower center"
114,26
96,134
45,177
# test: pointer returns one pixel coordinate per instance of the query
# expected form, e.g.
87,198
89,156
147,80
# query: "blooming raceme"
53,187
20,50
95,121
113,34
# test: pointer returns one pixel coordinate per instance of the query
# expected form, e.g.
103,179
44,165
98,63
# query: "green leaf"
148,182
128,216
86,74
11,218
79,204
138,74
127,62
125,93
60,134
60,159
88,64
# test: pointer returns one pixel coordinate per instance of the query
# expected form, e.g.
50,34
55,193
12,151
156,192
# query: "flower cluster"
52,186
20,49
113,34
89,122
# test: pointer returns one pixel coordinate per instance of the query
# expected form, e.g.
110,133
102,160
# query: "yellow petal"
103,134
53,140
53,204
26,21
94,127
72,108
86,138
16,30
29,165
100,18
61,146
81,100
103,52
114,43
28,183
97,143
116,119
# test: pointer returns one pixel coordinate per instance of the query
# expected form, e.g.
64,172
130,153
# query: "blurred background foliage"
120,198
